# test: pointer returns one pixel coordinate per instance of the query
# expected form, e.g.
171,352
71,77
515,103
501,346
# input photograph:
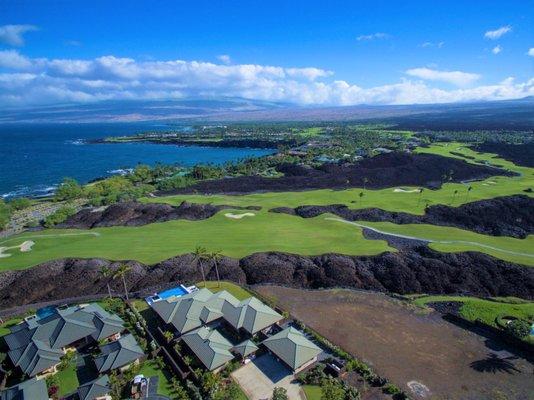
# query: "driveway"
259,378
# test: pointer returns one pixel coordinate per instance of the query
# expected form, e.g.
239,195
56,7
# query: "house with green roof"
293,348
119,354
196,309
36,345
209,346
97,389
32,389
245,348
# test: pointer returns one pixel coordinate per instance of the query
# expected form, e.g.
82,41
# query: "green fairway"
386,199
266,231
235,238
485,310
448,239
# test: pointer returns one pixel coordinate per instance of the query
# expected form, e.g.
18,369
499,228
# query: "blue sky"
382,51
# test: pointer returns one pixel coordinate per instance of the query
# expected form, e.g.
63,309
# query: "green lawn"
312,392
68,380
485,310
4,327
237,291
149,369
235,238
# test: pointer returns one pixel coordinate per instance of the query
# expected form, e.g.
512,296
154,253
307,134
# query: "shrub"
59,216
20,203
279,393
392,389
519,328
69,189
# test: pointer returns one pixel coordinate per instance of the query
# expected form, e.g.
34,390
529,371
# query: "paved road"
530,255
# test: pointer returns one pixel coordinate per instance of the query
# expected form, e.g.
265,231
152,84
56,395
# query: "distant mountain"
508,114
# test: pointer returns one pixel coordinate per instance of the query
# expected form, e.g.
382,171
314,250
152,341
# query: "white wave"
76,142
120,171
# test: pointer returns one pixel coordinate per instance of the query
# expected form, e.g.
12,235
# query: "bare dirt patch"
413,349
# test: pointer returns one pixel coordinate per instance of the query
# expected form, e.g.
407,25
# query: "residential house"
32,389
293,348
97,389
119,354
37,344
210,347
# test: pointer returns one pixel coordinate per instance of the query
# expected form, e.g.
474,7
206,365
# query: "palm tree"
454,196
419,198
121,273
107,273
365,182
199,255
467,193
361,198
215,257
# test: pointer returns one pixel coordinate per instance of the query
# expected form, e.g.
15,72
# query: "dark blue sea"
34,158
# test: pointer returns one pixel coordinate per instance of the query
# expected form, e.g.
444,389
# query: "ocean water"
34,158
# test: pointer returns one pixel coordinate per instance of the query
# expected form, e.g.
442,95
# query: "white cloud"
531,52
39,81
13,35
224,58
14,60
497,33
457,78
373,36
439,45
497,49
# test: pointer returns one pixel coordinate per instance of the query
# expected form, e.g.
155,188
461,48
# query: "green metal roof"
118,353
211,348
32,389
245,348
196,309
97,388
292,347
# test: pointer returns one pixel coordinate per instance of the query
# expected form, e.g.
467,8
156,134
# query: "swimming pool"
45,311
177,291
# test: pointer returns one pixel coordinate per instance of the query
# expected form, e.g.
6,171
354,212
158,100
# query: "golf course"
238,234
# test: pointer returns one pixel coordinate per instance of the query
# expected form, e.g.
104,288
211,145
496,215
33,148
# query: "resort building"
293,348
95,390
32,389
37,344
119,354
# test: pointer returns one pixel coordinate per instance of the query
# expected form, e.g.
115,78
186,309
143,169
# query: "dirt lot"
410,348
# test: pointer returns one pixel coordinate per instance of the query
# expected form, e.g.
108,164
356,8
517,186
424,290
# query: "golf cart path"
530,255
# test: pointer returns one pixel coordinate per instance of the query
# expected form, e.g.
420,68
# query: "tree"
199,256
107,274
361,197
454,195
121,273
420,193
69,189
279,393
519,328
365,182
332,390
467,192
215,257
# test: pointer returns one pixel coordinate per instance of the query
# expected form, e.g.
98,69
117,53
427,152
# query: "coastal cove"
36,157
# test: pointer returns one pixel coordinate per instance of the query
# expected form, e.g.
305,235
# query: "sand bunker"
239,216
401,190
23,247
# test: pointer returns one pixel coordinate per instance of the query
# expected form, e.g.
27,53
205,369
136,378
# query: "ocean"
34,158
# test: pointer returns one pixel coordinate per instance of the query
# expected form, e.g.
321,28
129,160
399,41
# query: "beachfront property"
217,328
32,389
38,343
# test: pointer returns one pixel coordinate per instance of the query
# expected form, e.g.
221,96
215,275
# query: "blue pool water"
177,291
45,311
